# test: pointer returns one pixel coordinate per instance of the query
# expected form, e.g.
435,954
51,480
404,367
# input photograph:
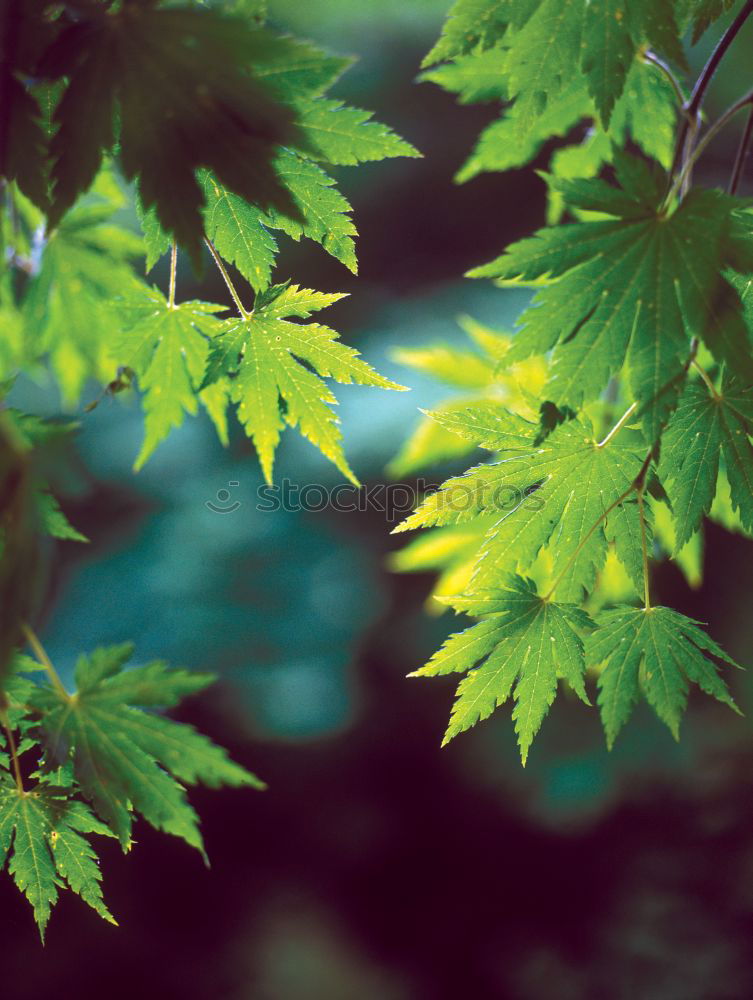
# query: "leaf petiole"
707,381
12,749
226,277
46,662
644,546
173,274
619,425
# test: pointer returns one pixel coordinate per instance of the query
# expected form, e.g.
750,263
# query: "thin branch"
644,548
708,71
709,134
654,60
620,424
742,152
692,106
230,286
39,651
12,749
173,274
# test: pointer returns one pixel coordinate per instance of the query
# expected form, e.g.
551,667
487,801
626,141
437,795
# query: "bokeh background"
377,865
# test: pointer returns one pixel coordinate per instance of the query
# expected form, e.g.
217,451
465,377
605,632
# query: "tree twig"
692,106
742,152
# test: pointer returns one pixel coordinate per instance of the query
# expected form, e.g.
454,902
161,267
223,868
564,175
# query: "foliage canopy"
615,418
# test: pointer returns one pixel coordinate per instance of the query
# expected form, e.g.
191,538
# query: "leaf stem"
230,286
705,377
742,153
651,57
644,548
619,425
39,651
173,273
13,750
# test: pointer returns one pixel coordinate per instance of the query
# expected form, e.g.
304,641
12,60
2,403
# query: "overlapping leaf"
703,13
535,44
42,838
657,653
635,288
167,347
241,230
524,645
707,426
278,368
476,25
481,372
555,493
126,760
80,270
346,136
179,78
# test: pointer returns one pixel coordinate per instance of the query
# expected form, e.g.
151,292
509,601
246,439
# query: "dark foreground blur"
376,865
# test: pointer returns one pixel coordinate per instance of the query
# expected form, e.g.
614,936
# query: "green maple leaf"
525,52
623,529
632,288
271,361
323,214
179,79
42,835
126,760
474,26
608,50
449,551
346,136
53,521
555,493
645,112
524,644
653,652
477,76
68,306
703,13
239,232
612,35
507,144
294,68
156,241
705,427
168,350
540,56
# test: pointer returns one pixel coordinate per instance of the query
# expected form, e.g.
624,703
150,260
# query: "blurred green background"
376,865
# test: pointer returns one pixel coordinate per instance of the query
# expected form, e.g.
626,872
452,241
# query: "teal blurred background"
377,865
